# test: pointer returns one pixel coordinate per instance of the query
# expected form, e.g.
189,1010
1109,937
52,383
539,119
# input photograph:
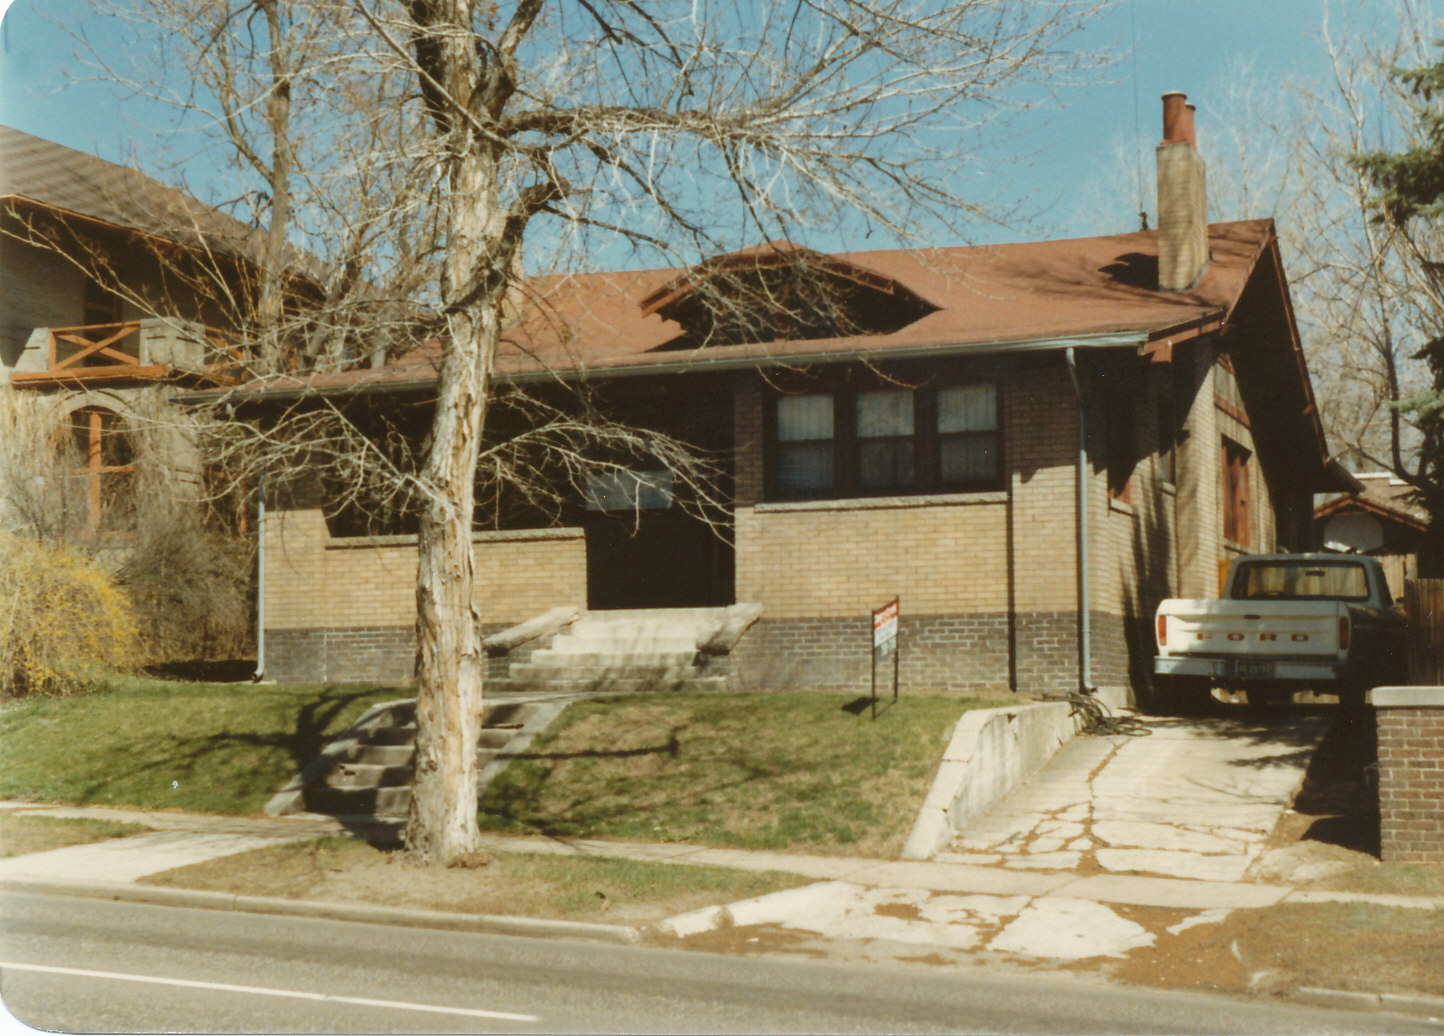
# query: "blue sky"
1061,161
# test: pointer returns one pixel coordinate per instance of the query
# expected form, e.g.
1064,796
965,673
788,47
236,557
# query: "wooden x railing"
110,334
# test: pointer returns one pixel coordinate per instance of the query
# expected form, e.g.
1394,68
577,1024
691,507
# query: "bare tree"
1364,298
683,126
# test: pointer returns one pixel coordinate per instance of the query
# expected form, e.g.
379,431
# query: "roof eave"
1134,340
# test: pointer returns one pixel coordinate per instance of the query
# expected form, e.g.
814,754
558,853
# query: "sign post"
884,642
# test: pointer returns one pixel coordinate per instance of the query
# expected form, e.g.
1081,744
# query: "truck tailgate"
1259,629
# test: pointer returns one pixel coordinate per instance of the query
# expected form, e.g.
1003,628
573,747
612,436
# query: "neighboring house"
1384,518
1030,445
99,304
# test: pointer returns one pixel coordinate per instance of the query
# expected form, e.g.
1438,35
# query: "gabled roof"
50,176
1383,495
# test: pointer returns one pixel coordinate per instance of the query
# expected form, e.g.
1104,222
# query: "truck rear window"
1301,581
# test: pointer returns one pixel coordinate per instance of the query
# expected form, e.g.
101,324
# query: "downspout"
260,672
1085,619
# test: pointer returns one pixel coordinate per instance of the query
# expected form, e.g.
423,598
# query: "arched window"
104,459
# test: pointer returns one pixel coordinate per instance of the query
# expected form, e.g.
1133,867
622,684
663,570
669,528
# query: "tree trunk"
441,824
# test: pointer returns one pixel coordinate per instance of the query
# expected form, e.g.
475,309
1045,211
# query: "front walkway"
1195,798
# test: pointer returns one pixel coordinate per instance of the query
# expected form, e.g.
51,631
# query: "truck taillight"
1343,633
1163,631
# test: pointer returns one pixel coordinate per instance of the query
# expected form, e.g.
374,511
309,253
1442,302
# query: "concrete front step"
565,684
523,671
389,802
552,657
375,776
368,775
382,755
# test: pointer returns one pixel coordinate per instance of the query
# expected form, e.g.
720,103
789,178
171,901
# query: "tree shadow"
302,743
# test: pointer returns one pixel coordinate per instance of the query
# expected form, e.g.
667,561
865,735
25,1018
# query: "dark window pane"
885,463
967,458
804,468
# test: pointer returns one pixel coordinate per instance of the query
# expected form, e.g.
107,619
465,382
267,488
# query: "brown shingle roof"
62,179
988,298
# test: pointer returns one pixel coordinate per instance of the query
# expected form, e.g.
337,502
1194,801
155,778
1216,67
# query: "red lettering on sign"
1299,638
1235,636
1268,636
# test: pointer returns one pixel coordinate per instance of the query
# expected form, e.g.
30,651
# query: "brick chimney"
1182,203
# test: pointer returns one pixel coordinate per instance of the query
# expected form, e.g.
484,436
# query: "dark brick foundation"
378,654
937,652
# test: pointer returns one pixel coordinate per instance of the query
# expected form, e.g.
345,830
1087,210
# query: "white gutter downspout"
1085,619
260,672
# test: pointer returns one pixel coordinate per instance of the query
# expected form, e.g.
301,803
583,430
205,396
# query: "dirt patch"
935,959
756,939
1355,946
902,911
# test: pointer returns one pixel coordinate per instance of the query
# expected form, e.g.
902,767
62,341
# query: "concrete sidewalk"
184,838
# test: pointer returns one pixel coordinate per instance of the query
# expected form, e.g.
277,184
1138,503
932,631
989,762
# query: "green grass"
1399,879
593,888
757,771
33,834
216,748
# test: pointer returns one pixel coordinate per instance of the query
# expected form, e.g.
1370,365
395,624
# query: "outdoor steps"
373,777
623,651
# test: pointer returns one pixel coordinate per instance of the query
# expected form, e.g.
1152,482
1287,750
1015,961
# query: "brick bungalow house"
1029,445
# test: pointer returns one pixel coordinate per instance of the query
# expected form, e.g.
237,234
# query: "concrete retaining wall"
992,752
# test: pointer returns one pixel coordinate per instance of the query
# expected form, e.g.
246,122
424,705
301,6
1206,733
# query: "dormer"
781,292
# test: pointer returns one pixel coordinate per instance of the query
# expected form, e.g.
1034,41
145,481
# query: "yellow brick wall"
1041,442
848,557
316,582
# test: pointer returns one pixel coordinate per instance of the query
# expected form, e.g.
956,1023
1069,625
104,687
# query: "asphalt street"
93,965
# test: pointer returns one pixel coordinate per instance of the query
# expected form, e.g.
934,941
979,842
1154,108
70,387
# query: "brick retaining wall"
1411,773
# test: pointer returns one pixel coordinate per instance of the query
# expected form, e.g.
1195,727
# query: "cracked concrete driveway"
1195,798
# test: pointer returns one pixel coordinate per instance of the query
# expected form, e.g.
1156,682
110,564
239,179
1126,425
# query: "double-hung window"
804,454
967,434
885,455
885,442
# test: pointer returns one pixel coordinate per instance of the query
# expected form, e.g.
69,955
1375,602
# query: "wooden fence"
1424,602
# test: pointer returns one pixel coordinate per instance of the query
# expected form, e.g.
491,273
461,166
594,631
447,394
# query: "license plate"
1250,670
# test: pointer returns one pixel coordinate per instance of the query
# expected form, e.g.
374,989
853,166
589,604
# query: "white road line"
223,987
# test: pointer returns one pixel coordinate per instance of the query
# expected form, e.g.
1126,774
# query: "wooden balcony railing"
118,352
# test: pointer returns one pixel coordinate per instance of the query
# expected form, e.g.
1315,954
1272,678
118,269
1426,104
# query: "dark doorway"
648,542
656,559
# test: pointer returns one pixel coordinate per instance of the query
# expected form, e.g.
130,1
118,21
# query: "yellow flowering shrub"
61,620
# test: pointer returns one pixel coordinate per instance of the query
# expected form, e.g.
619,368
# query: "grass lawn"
758,771
214,748
589,888
27,834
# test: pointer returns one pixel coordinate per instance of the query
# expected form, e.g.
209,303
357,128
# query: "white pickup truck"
1286,623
